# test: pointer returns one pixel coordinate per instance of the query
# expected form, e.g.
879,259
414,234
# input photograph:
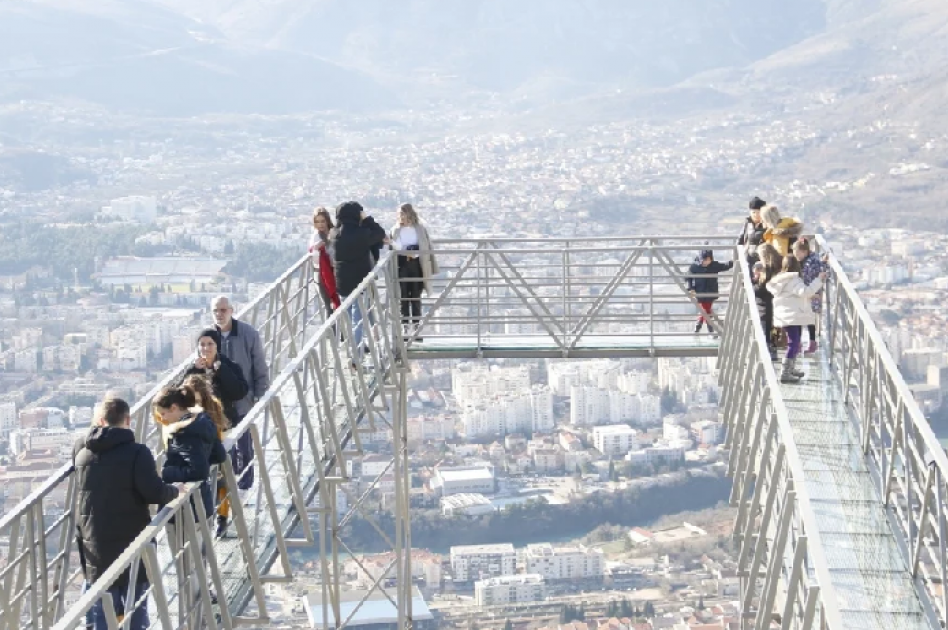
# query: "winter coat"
116,482
228,385
784,235
244,347
429,265
355,241
812,268
706,286
322,258
791,299
192,446
752,235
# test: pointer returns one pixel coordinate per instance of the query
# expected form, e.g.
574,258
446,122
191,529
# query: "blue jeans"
95,618
355,314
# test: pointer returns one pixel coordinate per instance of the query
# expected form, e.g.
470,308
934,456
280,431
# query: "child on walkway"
812,267
792,311
704,287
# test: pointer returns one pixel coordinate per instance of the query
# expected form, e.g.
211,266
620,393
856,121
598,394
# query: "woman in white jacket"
414,270
793,311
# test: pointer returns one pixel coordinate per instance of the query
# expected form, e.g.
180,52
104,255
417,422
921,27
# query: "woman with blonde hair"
781,231
414,269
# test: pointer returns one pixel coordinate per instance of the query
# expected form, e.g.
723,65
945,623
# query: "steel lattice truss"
839,482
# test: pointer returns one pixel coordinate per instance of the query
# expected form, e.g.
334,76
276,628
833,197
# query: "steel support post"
402,473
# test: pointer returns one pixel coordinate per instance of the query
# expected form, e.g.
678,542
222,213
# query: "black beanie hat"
757,203
213,333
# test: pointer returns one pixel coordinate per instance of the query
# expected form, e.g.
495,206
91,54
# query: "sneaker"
698,327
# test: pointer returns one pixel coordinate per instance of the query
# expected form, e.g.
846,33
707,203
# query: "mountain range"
180,57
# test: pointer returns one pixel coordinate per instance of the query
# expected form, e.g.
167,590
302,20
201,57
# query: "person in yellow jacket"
781,231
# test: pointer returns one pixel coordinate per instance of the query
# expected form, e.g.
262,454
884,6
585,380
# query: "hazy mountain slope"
131,54
502,45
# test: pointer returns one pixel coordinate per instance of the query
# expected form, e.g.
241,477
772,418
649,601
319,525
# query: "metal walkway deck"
839,524
590,347
869,571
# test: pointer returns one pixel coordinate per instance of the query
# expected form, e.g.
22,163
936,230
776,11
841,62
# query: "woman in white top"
414,270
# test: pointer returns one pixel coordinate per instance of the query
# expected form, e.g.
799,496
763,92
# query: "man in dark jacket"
117,481
240,342
703,284
358,239
753,232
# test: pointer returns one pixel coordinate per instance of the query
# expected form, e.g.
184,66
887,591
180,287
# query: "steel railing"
903,452
557,294
564,296
302,430
38,533
776,530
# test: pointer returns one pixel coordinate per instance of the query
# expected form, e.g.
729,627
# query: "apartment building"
474,562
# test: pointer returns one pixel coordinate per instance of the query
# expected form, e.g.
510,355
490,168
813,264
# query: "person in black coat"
226,378
703,284
752,234
116,481
357,244
191,441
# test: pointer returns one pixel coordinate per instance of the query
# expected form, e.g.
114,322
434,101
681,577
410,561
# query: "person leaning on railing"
414,270
703,285
358,237
812,266
322,249
117,480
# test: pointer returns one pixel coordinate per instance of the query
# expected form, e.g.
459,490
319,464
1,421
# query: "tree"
649,610
508,625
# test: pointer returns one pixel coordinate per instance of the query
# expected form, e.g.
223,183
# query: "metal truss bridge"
839,482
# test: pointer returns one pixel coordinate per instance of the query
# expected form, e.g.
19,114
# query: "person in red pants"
703,285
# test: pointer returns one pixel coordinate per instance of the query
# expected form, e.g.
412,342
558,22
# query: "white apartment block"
541,407
425,428
27,338
707,432
463,479
615,440
563,563
9,420
674,431
475,562
59,441
530,410
590,406
509,589
473,383
26,360
136,209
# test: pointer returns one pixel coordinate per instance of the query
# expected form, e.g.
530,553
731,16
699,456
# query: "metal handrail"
793,461
323,442
898,442
50,563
